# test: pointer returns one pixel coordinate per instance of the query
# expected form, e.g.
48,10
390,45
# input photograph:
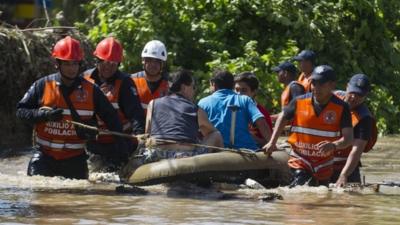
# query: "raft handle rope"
154,141
143,137
102,131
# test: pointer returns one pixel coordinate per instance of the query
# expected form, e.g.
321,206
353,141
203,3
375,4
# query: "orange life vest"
285,96
308,130
144,92
305,81
356,116
58,138
112,94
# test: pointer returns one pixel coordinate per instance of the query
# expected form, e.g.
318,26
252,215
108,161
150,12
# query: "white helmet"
155,49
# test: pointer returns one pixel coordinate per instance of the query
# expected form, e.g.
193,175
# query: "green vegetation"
255,35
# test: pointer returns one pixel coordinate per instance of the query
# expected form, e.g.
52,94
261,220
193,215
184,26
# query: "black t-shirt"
153,85
290,110
363,129
295,90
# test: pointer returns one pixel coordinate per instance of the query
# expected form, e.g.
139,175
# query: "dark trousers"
114,155
303,177
72,168
354,177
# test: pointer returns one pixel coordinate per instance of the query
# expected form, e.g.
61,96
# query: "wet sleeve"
130,106
105,110
346,117
363,129
289,110
28,106
296,90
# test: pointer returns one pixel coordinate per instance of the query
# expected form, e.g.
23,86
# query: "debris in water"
129,189
270,196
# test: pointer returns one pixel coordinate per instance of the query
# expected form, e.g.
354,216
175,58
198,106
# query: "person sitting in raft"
321,125
174,122
247,83
347,161
287,76
231,113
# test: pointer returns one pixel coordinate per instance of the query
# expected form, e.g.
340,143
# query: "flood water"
43,200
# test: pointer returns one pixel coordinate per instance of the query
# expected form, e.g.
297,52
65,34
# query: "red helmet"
109,49
68,49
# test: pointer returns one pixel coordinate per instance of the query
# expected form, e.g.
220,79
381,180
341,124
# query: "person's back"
175,119
219,108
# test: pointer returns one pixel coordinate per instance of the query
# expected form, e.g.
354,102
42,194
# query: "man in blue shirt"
220,108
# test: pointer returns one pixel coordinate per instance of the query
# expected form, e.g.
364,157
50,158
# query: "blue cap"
323,73
305,55
288,66
359,83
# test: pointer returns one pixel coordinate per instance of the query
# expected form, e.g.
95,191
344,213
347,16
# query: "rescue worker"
306,59
56,98
121,92
231,113
347,161
151,83
287,76
247,83
175,117
321,125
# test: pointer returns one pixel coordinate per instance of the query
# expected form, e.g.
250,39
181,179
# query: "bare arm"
205,125
211,135
344,142
352,161
279,126
148,117
264,129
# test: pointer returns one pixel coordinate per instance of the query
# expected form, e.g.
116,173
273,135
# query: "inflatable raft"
227,167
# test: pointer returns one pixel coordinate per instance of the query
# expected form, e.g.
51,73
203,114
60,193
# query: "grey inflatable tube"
227,167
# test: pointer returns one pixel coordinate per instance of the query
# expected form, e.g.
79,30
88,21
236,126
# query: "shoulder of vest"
336,100
88,72
363,111
83,81
138,74
305,96
121,75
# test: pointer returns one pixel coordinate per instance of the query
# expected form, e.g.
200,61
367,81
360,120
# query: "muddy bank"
25,57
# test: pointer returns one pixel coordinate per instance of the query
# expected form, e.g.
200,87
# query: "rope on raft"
153,141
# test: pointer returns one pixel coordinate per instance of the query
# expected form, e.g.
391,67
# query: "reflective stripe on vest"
315,132
340,159
115,105
80,112
55,145
314,169
144,106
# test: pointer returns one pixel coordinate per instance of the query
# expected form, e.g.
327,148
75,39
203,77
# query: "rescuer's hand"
49,114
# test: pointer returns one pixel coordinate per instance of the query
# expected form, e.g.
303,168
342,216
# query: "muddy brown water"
41,200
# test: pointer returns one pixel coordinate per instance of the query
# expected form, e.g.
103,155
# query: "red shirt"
267,117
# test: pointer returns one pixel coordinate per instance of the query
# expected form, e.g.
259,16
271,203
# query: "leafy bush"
239,35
